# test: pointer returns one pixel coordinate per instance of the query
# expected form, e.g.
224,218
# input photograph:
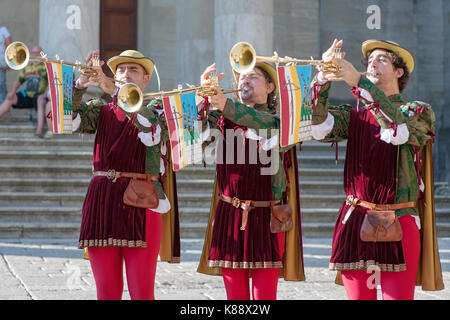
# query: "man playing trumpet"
388,169
125,146
239,243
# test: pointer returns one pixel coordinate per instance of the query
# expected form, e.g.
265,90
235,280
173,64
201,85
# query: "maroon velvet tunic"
370,174
106,220
256,246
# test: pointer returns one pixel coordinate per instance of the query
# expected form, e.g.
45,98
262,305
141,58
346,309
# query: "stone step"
50,214
59,142
320,162
18,115
44,199
17,129
58,169
315,147
45,170
30,230
44,185
69,157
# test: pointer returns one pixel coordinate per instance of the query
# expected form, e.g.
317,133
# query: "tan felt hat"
131,56
369,45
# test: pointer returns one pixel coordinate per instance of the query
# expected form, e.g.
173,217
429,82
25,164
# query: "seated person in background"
34,94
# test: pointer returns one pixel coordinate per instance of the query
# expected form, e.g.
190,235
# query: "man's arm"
412,123
85,115
249,117
377,101
329,123
16,86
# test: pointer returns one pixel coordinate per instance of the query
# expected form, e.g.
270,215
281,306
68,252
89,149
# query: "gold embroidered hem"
112,242
363,265
244,264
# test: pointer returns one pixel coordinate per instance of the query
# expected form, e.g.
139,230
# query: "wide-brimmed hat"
131,56
266,67
369,45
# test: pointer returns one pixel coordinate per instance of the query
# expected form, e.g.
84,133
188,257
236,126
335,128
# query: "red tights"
359,284
140,263
264,281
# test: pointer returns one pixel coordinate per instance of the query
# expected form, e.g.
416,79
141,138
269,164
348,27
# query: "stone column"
236,20
69,28
431,76
296,28
156,39
194,40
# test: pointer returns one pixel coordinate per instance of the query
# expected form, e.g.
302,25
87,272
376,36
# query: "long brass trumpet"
243,59
17,57
130,97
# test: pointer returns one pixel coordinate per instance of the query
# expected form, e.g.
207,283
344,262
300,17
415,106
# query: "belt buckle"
235,202
111,175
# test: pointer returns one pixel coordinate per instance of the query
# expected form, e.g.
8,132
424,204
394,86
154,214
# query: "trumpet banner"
295,104
181,115
60,82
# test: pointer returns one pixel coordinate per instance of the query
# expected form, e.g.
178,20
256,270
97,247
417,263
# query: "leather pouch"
281,218
381,226
141,193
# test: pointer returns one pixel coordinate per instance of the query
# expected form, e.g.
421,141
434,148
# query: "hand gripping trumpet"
243,59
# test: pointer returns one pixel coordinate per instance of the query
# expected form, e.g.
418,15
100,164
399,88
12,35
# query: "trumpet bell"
242,57
17,55
130,98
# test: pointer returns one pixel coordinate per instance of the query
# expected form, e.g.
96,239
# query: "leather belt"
113,175
353,202
246,206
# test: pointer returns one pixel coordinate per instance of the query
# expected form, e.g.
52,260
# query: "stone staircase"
43,184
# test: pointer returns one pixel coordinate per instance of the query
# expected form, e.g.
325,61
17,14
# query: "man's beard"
246,94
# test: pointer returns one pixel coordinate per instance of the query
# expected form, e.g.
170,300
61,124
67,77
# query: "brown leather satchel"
281,218
380,226
141,193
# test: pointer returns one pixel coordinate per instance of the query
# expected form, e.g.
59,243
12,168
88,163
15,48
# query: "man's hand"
348,72
98,79
84,79
207,80
206,77
218,100
330,53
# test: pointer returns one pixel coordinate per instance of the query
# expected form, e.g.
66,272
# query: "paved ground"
52,269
